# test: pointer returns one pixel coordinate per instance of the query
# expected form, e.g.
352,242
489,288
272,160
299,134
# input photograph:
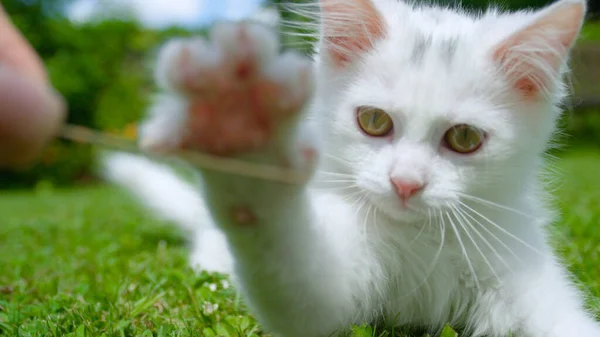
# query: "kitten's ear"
533,56
350,28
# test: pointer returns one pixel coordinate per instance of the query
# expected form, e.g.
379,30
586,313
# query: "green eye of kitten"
374,122
464,138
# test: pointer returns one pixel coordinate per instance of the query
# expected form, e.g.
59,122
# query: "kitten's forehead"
416,34
435,75
430,29
431,57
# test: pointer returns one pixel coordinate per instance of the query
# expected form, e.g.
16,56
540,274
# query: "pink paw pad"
239,89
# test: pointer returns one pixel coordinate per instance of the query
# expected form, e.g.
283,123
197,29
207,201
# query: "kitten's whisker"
504,230
346,192
339,181
338,159
425,224
329,155
366,220
461,213
349,182
353,201
493,204
375,216
362,201
465,228
341,184
494,236
349,197
464,251
467,224
343,188
337,174
436,257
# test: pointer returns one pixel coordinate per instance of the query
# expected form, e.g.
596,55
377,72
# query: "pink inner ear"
351,27
523,71
532,57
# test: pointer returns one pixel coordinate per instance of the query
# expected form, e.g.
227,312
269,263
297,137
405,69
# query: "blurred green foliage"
581,128
103,70
591,31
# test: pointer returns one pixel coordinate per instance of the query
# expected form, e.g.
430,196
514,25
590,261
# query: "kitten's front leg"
539,301
236,97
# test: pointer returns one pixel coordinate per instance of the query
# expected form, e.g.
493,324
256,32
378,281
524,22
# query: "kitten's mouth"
405,205
398,210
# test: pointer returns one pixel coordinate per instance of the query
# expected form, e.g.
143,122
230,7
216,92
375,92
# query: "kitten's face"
425,120
443,138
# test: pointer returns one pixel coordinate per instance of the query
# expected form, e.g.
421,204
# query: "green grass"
88,262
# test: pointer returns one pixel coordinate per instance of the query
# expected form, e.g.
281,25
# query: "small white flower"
209,308
212,287
225,284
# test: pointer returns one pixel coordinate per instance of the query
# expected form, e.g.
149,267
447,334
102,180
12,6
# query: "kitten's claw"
236,90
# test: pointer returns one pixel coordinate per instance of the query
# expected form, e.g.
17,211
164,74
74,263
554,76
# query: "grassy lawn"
88,262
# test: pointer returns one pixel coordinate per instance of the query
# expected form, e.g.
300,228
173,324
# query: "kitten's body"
470,249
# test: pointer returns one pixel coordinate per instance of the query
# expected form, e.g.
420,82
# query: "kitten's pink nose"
406,188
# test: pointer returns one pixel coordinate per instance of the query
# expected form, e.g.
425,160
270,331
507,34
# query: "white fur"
175,200
472,249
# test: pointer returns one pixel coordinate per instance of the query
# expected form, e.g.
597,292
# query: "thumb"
16,52
30,116
30,111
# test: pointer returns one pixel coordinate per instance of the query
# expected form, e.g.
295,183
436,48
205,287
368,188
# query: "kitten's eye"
464,138
374,122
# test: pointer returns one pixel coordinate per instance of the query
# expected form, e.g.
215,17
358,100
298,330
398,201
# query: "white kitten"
425,207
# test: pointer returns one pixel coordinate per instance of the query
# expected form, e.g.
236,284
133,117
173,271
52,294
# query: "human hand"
31,112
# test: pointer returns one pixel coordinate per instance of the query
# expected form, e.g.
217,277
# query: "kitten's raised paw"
236,89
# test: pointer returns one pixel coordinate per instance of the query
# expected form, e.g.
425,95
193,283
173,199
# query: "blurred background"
99,55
